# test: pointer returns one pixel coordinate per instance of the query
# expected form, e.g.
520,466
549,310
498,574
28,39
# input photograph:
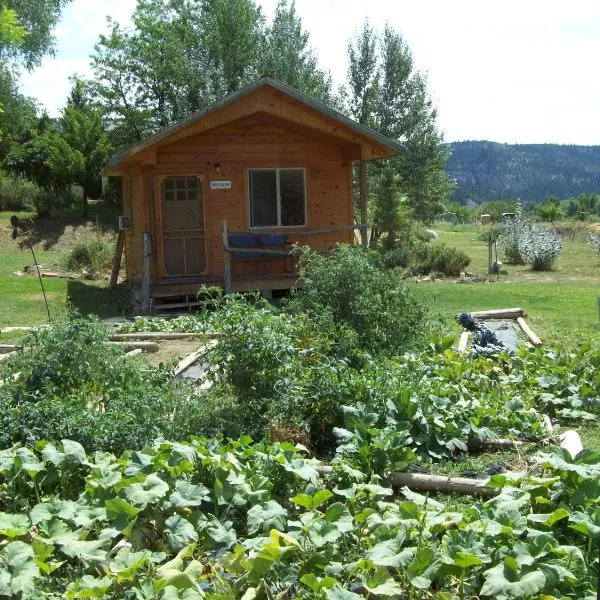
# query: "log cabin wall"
237,147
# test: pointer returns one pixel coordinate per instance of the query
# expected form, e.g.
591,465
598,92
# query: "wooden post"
117,260
364,240
146,275
226,260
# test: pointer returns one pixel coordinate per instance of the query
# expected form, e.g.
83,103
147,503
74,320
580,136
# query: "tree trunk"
84,205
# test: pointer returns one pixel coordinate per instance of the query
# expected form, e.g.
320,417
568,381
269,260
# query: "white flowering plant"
594,242
539,247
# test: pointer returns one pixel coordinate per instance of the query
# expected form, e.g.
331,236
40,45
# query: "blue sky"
517,71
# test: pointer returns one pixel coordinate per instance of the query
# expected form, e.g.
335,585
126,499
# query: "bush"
509,240
73,385
439,258
93,254
17,194
351,287
594,242
539,247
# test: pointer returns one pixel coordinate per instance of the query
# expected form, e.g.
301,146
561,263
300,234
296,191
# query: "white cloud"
510,71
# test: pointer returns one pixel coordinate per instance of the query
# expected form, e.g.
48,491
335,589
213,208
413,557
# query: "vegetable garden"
119,481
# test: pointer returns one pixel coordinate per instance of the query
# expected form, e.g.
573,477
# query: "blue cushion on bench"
272,239
244,240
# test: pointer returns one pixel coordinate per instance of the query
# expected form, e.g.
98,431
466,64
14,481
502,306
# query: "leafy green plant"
92,254
439,258
214,519
352,287
72,384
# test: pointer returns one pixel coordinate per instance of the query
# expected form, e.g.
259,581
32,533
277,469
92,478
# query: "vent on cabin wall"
124,222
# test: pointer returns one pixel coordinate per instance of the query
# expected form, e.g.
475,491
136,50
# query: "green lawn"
21,300
562,305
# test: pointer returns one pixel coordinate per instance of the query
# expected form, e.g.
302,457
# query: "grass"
21,300
562,305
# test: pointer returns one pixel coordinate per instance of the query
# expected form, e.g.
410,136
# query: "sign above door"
220,185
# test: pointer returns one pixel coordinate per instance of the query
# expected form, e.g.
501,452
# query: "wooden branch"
501,313
464,340
534,339
132,345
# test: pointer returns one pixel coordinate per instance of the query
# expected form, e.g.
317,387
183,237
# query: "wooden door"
182,210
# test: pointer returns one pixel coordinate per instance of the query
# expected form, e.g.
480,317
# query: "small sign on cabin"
220,185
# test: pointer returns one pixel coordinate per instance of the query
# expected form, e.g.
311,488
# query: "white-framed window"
277,197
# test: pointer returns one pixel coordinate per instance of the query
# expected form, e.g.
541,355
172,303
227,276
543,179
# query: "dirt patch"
171,351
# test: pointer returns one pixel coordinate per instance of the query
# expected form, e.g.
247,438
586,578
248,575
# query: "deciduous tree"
83,130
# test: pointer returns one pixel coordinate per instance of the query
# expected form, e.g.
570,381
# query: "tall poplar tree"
388,94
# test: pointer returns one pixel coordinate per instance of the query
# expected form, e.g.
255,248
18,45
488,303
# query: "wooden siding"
237,147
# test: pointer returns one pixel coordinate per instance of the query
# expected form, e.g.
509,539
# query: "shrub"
539,247
509,239
355,291
437,257
594,242
17,194
93,254
73,385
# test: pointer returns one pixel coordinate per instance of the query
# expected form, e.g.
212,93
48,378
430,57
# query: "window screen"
263,198
277,197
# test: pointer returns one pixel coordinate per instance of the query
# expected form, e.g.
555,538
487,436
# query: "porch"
267,259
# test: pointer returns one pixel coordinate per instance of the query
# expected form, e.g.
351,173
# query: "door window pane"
291,190
263,198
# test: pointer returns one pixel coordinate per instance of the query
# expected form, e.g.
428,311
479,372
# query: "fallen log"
133,345
534,339
433,483
7,355
133,352
463,342
152,335
501,313
10,347
186,362
23,328
498,444
190,359
439,483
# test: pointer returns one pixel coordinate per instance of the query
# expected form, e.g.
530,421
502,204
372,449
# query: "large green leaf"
270,515
19,570
89,587
179,532
506,580
187,494
12,525
152,489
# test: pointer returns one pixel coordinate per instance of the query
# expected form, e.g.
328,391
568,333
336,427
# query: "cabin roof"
390,147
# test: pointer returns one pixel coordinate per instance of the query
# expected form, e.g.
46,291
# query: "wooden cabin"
221,197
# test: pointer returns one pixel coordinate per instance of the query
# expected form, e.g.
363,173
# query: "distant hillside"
491,171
